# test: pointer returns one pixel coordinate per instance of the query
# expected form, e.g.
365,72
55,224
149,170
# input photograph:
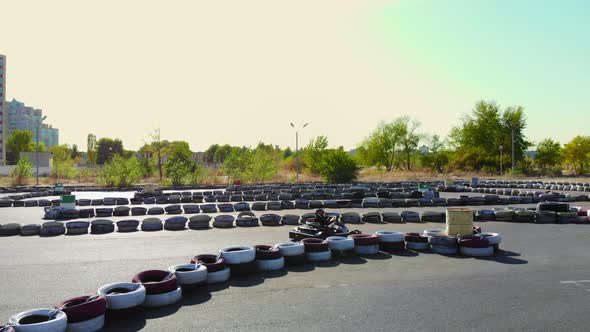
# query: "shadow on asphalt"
274,274
404,253
301,268
330,263
377,256
505,257
353,260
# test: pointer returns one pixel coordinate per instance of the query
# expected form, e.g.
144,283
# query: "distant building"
3,135
22,117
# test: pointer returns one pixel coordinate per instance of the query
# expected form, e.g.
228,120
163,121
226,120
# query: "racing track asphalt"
538,282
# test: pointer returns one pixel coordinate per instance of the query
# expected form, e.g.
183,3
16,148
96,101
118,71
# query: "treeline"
482,142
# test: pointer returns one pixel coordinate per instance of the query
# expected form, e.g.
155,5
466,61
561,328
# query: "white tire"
367,250
91,325
416,245
160,300
390,236
270,264
291,248
433,232
444,250
116,301
58,324
219,276
340,243
477,252
197,275
493,238
320,256
238,255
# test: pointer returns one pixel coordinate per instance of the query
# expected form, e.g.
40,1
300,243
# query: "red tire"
315,245
213,263
156,281
365,239
474,243
265,252
83,308
415,237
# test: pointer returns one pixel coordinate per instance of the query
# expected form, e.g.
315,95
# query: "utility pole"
297,148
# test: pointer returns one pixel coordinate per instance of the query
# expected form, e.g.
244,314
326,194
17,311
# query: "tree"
157,147
19,141
478,139
22,172
179,150
209,155
548,154
390,144
313,152
405,130
337,166
577,153
221,152
237,162
437,155
178,171
91,149
120,172
263,165
63,164
74,153
107,148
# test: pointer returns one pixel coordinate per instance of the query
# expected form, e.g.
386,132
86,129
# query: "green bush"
22,172
179,172
120,172
337,166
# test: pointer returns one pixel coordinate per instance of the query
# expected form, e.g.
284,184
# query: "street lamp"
297,147
501,148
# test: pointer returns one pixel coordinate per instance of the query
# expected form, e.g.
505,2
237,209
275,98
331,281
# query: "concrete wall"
6,170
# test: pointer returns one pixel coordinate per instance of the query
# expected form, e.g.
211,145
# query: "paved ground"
530,286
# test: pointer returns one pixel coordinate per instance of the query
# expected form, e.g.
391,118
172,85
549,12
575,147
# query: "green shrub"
179,172
337,166
120,172
22,171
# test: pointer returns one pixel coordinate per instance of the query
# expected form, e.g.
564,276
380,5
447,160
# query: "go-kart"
312,229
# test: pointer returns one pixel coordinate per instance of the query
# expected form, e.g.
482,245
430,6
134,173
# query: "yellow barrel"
459,221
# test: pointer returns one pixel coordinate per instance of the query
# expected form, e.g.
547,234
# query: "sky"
239,72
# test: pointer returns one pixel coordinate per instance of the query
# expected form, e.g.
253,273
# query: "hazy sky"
238,72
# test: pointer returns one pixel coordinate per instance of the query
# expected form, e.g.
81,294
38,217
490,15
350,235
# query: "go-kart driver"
329,222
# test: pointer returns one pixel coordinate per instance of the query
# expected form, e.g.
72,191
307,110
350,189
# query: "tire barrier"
274,206
475,246
173,209
52,228
223,221
121,211
127,225
433,216
268,258
308,217
365,244
372,217
138,211
175,223
240,260
290,219
410,216
11,229
189,275
77,227
390,240
391,217
123,295
86,213
217,272
208,208
316,250
443,245
415,241
293,253
155,211
349,218
104,212
84,313
30,230
102,226
239,207
198,222
504,214
340,245
191,208
39,320
567,217
109,201
545,217
227,207
526,216
433,232
485,215
161,287
258,206
151,225
270,220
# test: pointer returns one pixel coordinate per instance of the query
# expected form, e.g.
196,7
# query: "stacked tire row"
249,219
158,288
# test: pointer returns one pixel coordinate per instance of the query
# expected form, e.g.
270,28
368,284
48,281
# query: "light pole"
501,148
297,148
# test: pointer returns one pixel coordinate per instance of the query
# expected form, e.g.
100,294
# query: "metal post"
512,152
297,153
37,152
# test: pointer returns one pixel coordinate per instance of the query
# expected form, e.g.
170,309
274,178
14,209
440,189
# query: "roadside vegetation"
481,144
